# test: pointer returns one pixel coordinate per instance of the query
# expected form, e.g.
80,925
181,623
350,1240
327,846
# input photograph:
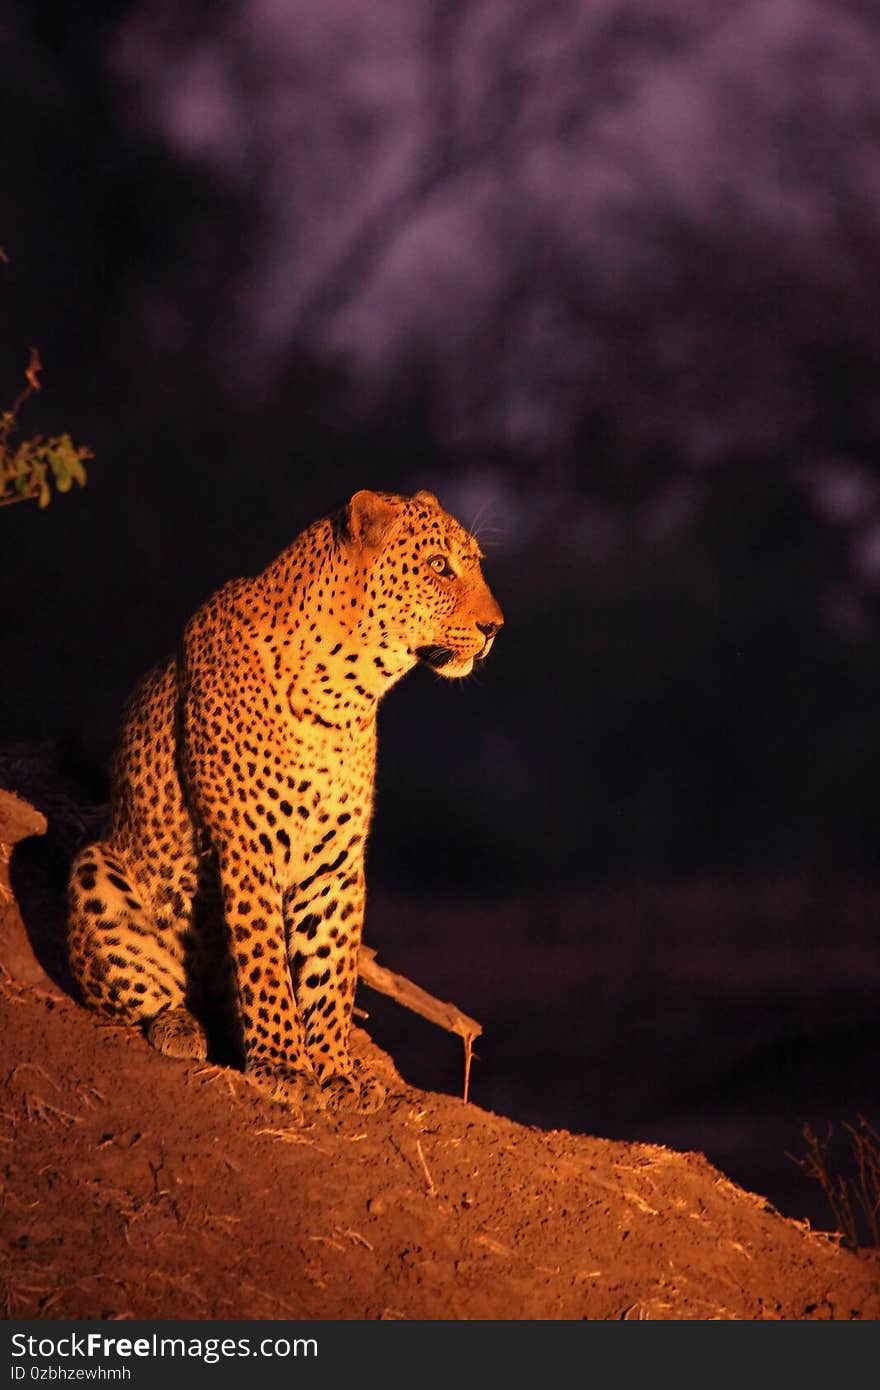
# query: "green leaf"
40,481
76,467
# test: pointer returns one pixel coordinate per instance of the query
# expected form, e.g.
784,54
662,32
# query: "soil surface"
138,1187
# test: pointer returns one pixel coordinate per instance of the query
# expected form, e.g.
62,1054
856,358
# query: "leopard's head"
425,591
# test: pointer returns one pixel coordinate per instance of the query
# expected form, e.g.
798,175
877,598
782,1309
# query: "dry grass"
854,1197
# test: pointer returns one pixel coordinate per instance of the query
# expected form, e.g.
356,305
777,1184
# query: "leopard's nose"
489,629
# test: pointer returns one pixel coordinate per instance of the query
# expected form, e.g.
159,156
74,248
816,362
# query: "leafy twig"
26,469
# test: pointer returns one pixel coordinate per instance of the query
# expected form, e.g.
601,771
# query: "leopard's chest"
309,806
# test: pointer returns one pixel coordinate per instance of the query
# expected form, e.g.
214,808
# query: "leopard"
231,882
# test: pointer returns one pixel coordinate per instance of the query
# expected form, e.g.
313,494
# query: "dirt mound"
139,1187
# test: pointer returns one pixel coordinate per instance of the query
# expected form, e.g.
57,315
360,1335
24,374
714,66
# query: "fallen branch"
411,996
18,821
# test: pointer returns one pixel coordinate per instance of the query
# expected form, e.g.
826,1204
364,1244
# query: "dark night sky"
602,276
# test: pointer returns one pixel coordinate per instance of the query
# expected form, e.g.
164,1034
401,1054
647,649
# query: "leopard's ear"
371,516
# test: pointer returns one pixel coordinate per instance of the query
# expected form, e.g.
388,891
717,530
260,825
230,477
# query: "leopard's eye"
442,566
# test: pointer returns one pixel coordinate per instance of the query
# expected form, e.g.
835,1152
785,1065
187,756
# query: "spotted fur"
231,884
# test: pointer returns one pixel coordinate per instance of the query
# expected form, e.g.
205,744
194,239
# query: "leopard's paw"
296,1088
176,1033
356,1090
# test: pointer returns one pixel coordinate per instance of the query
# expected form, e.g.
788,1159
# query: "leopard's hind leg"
129,961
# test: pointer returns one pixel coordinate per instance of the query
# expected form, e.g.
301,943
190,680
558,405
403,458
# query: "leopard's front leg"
324,925
272,1033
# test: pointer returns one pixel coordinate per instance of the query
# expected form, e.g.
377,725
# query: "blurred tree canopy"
604,272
